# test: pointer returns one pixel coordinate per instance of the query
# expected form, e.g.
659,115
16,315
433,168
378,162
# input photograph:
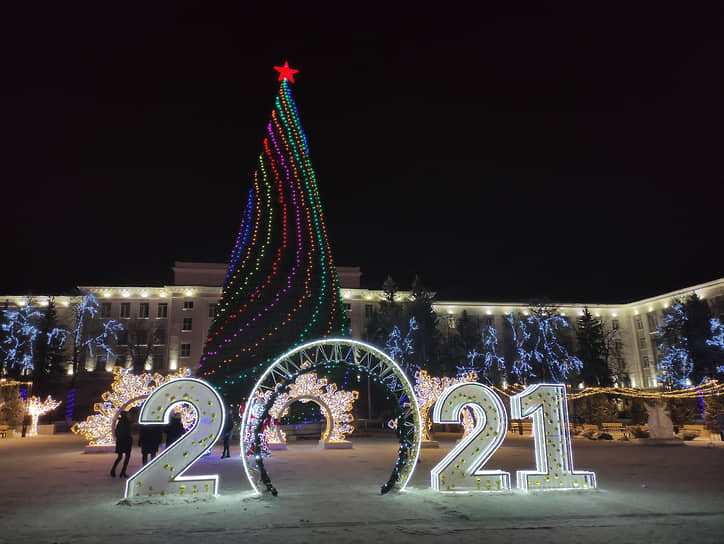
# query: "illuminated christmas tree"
282,288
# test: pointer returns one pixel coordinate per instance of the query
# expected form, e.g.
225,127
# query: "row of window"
185,352
652,319
144,309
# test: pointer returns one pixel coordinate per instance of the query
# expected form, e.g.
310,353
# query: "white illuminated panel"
164,474
460,470
546,404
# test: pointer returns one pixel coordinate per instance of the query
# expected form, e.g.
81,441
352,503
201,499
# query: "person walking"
124,442
228,430
175,430
149,440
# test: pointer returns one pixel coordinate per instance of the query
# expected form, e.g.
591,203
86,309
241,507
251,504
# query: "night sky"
504,153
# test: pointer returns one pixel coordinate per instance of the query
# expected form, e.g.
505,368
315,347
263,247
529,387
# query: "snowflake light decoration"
336,404
429,388
127,390
37,408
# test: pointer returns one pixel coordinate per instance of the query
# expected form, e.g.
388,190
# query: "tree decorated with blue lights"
282,288
538,349
690,342
520,363
485,360
20,334
86,333
717,336
401,347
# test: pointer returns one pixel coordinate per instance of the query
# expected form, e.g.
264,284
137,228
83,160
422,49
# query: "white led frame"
203,434
552,440
448,409
331,350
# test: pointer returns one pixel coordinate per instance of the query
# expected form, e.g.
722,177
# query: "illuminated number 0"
164,474
459,470
546,404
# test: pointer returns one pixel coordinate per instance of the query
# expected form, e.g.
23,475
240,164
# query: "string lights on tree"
282,288
37,408
20,333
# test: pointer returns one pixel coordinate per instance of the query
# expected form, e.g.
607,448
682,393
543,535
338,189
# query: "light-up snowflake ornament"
429,388
336,404
127,390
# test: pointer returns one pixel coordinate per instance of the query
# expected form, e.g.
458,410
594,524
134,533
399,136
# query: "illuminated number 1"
546,404
459,470
164,474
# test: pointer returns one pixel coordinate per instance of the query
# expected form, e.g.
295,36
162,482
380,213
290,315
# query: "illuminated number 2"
164,474
546,404
459,470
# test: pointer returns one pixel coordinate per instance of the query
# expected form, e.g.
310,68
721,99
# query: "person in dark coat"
124,442
226,434
149,440
175,430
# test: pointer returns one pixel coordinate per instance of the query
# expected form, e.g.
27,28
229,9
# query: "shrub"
639,414
596,409
681,412
11,409
605,436
712,408
689,435
638,432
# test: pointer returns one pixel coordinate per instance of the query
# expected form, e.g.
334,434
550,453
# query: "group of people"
150,437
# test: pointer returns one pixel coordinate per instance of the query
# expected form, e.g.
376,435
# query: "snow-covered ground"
51,492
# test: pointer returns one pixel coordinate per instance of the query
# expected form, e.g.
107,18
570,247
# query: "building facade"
171,322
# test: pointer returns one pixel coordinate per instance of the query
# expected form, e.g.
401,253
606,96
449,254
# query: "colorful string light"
282,287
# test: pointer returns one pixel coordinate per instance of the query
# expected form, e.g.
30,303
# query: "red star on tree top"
285,72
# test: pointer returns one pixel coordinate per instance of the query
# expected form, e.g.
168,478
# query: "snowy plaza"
557,376
53,492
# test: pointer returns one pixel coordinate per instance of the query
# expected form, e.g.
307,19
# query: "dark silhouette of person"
175,430
124,442
228,430
149,439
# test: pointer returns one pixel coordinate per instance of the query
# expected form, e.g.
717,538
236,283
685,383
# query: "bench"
616,430
700,430
303,430
4,431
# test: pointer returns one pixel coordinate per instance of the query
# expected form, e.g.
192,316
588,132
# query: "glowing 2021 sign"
459,472
164,474
546,404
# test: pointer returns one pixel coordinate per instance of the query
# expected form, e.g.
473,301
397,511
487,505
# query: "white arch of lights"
326,354
336,404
